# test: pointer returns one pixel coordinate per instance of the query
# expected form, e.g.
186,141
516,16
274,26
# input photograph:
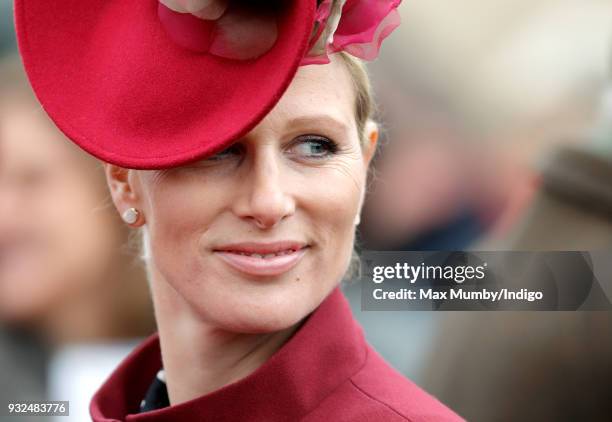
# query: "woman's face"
55,238
293,185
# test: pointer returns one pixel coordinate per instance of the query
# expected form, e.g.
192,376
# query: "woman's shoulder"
377,392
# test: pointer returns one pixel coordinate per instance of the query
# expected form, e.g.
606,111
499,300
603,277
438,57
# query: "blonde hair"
364,97
364,112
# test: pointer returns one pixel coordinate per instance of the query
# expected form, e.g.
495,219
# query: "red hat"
156,84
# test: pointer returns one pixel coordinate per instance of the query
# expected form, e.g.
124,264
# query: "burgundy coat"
325,372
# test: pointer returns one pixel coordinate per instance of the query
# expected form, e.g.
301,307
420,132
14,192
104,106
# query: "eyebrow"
318,120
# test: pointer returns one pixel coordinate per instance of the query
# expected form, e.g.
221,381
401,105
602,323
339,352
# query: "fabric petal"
363,38
326,22
358,29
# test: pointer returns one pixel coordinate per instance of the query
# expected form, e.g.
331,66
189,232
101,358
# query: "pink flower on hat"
355,26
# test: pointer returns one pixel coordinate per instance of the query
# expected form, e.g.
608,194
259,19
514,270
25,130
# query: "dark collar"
157,394
327,349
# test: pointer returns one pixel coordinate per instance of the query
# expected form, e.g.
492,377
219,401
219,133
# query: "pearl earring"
357,219
130,216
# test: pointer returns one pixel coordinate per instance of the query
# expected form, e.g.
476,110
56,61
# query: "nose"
264,199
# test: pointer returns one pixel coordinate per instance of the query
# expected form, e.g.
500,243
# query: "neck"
200,358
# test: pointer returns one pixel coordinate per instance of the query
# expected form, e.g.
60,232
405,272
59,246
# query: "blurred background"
497,134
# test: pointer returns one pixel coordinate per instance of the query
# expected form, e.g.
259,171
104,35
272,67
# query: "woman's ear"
125,197
371,137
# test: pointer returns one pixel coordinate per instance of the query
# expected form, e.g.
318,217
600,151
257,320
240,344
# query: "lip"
234,255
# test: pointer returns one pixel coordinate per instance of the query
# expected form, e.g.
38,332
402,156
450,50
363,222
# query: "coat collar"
325,351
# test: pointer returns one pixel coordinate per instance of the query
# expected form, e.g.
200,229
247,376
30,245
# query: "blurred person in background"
436,187
469,98
573,208
439,183
533,366
73,299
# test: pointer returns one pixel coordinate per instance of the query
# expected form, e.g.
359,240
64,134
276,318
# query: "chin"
266,324
268,314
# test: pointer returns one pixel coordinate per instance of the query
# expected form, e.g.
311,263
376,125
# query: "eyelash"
220,155
330,146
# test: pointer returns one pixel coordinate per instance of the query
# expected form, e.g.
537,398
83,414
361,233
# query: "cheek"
332,202
337,192
180,211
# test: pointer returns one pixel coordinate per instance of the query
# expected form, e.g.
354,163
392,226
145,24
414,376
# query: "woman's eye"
313,147
229,152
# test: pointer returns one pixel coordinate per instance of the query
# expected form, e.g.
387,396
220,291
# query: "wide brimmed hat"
155,84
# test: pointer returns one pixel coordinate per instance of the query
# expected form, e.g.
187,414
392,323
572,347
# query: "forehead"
317,90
